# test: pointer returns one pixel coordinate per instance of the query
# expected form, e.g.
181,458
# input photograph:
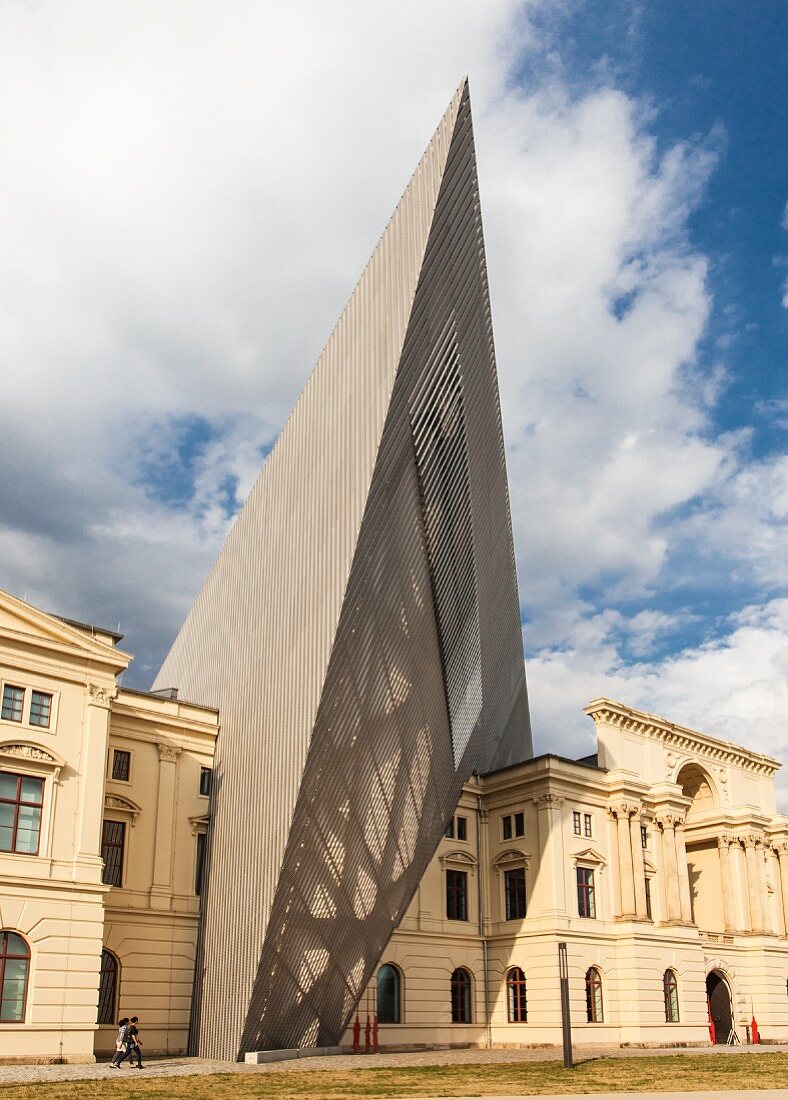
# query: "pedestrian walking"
121,1043
136,1042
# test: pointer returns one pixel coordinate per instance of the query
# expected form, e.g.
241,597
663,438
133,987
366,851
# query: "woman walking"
122,1043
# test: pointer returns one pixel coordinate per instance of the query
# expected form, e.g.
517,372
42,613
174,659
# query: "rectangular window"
449,834
199,864
506,826
13,700
113,841
587,825
519,824
206,777
121,765
514,893
648,897
462,828
457,895
40,709
576,823
21,798
643,836
586,905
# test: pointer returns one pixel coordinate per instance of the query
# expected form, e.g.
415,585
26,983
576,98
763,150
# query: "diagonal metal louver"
359,632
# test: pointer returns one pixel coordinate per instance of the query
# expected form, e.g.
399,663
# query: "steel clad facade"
359,632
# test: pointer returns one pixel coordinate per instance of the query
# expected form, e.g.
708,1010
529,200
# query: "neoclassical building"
660,861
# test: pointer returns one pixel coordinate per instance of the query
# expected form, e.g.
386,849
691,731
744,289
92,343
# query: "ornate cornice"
680,737
122,805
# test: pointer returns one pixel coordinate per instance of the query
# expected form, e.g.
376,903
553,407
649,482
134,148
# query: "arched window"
670,988
14,969
108,988
516,1003
461,996
389,995
594,1011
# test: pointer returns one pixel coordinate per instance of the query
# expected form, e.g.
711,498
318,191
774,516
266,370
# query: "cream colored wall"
151,921
55,898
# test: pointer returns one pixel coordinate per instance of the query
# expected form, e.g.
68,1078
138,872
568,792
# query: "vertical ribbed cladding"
258,640
429,633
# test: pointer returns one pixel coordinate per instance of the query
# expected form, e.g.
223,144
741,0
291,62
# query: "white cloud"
190,192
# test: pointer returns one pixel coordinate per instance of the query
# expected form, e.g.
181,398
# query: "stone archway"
718,993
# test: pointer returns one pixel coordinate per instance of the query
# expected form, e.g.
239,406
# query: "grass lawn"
676,1072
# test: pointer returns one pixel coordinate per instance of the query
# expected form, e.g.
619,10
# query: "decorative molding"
681,739
168,752
23,750
590,856
199,822
669,821
545,800
511,855
122,805
101,696
459,857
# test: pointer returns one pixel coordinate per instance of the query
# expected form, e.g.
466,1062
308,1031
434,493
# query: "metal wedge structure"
359,632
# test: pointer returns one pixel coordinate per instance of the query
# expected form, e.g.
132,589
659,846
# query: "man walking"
136,1042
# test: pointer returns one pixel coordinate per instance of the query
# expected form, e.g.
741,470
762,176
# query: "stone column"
752,853
672,893
763,891
549,886
161,888
639,869
728,917
626,873
91,789
685,895
740,876
782,858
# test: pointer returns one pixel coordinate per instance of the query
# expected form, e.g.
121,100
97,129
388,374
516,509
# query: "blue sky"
191,194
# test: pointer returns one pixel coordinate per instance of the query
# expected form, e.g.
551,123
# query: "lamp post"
566,1023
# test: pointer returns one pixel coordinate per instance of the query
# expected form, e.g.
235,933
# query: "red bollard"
375,1034
356,1035
754,1031
366,1036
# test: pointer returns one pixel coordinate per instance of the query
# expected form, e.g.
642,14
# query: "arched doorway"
719,996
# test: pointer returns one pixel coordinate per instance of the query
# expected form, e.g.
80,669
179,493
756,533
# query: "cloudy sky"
190,191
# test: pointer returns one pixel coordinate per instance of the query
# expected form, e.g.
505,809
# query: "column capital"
751,840
168,752
624,809
669,820
99,696
544,801
724,840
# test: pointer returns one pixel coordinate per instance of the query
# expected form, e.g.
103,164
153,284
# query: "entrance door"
719,1005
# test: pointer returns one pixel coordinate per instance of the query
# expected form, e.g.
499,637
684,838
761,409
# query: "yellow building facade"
103,800
660,861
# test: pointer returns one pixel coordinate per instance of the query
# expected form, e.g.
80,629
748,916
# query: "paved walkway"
187,1067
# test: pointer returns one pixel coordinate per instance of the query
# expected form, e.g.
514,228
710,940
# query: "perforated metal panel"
359,632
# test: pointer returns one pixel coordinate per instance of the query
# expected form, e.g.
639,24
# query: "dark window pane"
40,708
449,834
388,995
587,824
206,776
462,828
519,824
108,983
586,906
13,698
199,869
507,826
576,822
671,991
594,1013
514,891
113,836
648,897
20,813
461,997
121,765
456,895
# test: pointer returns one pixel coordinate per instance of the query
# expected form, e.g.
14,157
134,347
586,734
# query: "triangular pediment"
23,622
590,855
